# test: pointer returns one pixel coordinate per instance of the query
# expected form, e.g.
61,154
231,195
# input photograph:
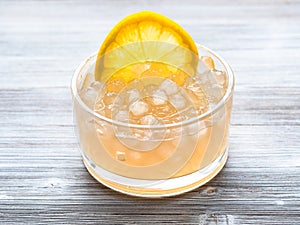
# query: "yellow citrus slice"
143,41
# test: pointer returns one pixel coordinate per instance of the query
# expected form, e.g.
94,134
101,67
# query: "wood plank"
42,177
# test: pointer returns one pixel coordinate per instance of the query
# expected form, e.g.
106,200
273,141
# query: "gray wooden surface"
42,178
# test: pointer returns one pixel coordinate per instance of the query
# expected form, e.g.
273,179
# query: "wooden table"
42,178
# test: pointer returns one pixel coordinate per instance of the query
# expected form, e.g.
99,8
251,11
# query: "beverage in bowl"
152,109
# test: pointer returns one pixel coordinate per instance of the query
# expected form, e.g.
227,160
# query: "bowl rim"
210,112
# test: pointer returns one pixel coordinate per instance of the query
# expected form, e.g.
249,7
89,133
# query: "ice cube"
202,67
148,139
109,98
133,95
120,156
210,85
221,79
194,83
89,96
149,120
99,106
169,87
220,76
97,85
208,61
159,97
207,79
142,134
174,132
164,111
139,108
178,101
187,112
121,116
197,88
119,102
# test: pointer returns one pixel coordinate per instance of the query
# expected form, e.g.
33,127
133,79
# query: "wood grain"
42,178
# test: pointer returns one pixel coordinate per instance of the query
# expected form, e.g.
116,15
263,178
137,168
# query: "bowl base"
156,188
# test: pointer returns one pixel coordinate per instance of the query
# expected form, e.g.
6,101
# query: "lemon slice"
142,39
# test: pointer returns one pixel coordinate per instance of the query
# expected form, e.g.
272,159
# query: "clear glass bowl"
178,157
